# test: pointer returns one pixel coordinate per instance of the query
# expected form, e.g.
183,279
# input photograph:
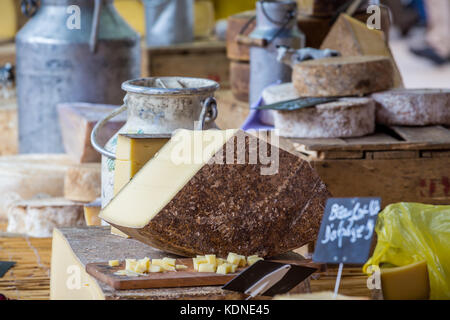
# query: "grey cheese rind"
347,117
413,107
38,217
343,76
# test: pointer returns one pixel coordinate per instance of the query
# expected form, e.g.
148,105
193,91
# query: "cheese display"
133,152
347,117
77,121
413,107
38,217
408,282
91,212
187,200
83,182
343,76
72,250
353,38
23,177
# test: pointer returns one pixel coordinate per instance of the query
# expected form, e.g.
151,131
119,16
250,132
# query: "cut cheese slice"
187,201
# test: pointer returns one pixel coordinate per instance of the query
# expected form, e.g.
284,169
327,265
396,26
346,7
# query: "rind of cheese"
408,282
343,76
169,170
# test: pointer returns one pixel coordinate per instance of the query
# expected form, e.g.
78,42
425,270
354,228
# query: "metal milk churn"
276,25
69,51
156,107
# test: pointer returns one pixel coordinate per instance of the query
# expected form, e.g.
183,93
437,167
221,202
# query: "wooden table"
30,277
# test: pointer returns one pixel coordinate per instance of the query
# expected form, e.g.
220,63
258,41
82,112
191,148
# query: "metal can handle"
209,112
100,125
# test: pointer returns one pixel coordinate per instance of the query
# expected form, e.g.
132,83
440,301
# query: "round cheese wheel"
343,76
347,117
413,107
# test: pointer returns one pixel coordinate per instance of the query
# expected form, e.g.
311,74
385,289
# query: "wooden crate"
396,163
202,59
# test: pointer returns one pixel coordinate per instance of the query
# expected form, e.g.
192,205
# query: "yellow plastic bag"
411,232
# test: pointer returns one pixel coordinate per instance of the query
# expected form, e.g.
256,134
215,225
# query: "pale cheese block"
353,38
343,76
133,152
38,217
186,200
347,117
83,182
91,212
26,176
77,121
413,107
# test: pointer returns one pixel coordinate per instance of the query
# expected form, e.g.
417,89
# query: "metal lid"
170,85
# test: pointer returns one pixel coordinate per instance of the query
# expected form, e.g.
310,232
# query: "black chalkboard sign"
347,230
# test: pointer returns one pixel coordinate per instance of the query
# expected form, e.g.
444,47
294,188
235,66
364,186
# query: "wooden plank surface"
433,134
30,278
182,278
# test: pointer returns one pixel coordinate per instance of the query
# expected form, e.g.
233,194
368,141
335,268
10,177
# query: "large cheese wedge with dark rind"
206,206
413,107
343,76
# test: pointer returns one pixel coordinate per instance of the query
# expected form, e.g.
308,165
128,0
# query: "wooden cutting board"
186,278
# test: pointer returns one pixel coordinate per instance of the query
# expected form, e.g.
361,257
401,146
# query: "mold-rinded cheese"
409,282
29,175
38,217
83,182
77,121
187,201
343,76
91,212
413,107
353,38
344,118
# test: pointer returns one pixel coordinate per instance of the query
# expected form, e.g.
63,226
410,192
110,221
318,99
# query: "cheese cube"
157,262
233,268
233,258
242,261
198,261
113,263
130,264
253,259
155,268
181,267
142,265
169,261
206,267
220,261
168,267
211,258
224,268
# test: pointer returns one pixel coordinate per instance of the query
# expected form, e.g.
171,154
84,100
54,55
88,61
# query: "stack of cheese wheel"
346,78
239,54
